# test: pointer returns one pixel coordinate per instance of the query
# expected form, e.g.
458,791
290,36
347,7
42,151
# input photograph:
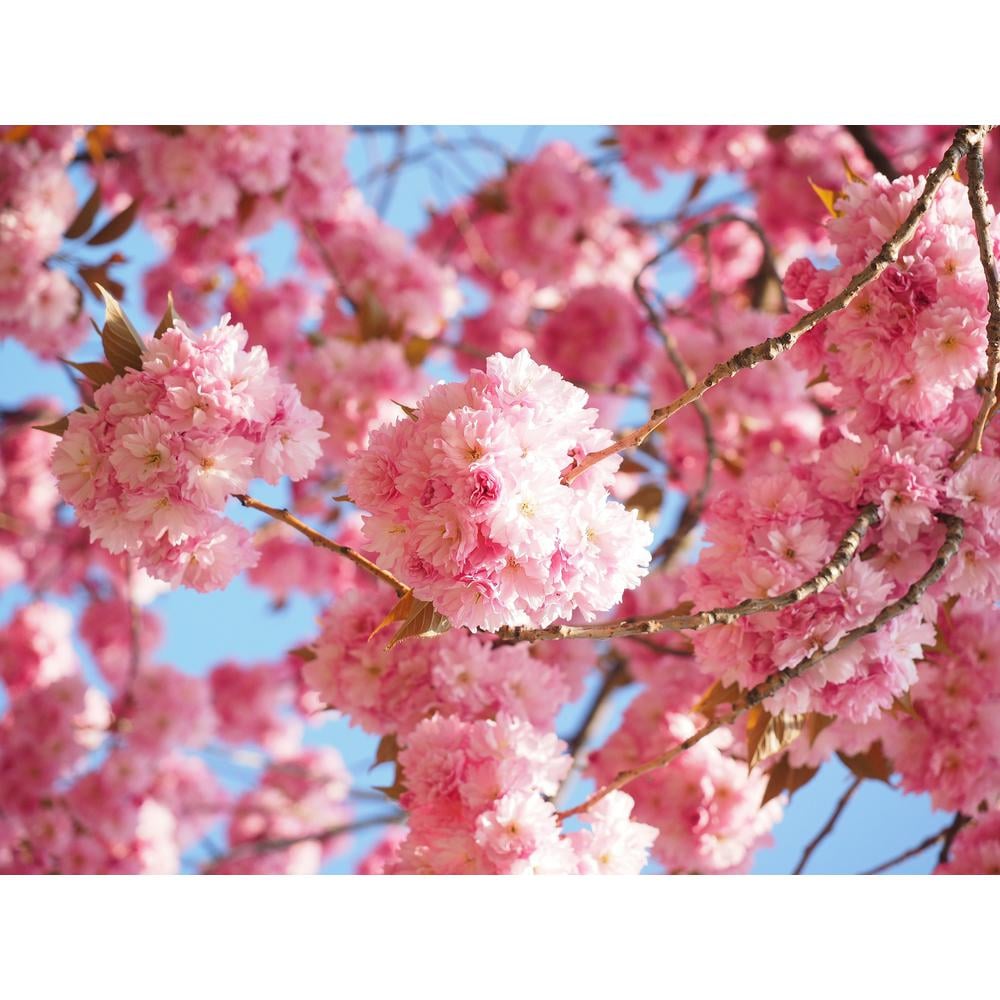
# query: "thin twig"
692,511
253,848
328,262
134,634
877,156
906,855
392,174
828,827
769,349
952,832
642,640
816,584
978,202
774,683
614,677
283,515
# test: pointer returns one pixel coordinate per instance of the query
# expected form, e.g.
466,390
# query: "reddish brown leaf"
97,372
416,350
305,653
117,227
422,621
85,217
873,763
903,705
718,694
387,750
630,465
647,501
17,133
57,427
169,320
400,612
769,734
408,410
784,778
828,197
97,275
815,724
122,346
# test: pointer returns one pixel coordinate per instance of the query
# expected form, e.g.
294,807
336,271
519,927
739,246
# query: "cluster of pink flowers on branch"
39,305
839,531
392,690
151,465
468,508
476,796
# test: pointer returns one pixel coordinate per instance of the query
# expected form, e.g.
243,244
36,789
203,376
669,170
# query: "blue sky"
239,623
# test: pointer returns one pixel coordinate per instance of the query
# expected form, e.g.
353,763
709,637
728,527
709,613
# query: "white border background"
511,62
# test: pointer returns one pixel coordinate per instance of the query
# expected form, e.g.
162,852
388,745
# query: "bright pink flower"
167,445
533,548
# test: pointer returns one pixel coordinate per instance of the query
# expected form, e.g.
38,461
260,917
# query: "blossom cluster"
202,175
39,305
151,465
28,494
457,674
90,785
289,564
374,268
467,505
545,228
976,848
760,420
949,745
355,387
898,368
298,794
705,805
476,803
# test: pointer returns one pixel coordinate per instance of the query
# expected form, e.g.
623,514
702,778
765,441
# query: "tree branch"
717,616
951,833
828,827
877,156
750,357
774,683
906,855
283,515
978,202
253,848
614,677
692,511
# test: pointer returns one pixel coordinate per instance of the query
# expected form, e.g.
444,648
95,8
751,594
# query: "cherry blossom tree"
757,513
